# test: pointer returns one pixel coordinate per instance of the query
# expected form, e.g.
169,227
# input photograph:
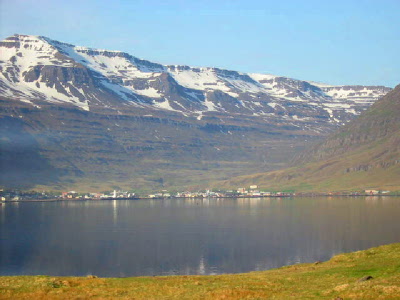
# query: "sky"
335,42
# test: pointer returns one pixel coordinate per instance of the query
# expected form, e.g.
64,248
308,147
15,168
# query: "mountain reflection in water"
188,236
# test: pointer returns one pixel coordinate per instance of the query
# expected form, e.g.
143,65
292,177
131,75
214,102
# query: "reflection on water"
188,236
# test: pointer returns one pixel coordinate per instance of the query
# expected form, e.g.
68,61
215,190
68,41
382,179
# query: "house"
372,192
241,190
70,195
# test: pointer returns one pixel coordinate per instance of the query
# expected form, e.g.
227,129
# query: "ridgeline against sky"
136,123
345,42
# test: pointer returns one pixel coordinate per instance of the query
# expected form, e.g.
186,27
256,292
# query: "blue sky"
336,42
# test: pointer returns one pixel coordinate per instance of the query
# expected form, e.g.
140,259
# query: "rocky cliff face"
99,116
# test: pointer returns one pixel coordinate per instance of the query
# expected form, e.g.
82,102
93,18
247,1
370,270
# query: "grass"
337,278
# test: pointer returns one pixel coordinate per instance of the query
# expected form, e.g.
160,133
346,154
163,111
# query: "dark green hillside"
381,121
363,154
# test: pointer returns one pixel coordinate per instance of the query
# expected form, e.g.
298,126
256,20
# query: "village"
252,191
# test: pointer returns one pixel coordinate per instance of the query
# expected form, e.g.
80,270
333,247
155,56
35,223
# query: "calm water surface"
161,237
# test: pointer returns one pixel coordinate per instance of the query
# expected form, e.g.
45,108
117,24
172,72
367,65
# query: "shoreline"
194,198
368,274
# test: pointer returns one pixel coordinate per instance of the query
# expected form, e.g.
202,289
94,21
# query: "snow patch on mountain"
33,67
164,105
150,92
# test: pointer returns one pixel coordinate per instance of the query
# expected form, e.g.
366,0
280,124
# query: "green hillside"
363,154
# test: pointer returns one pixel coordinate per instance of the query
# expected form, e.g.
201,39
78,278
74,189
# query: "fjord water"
163,237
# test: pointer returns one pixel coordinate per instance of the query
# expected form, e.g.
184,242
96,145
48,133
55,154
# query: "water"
163,237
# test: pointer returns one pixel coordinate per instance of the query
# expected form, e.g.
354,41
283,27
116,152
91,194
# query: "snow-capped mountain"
34,69
89,119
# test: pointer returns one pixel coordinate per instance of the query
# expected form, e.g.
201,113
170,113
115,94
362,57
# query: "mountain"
78,117
363,154
37,69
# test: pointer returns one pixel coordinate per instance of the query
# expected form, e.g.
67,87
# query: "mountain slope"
91,119
363,154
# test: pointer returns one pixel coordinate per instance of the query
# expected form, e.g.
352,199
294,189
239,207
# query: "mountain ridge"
191,91
98,119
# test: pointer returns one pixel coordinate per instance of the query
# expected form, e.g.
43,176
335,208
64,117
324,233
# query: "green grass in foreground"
334,279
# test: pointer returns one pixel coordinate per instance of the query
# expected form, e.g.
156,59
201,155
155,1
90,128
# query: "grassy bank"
334,279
